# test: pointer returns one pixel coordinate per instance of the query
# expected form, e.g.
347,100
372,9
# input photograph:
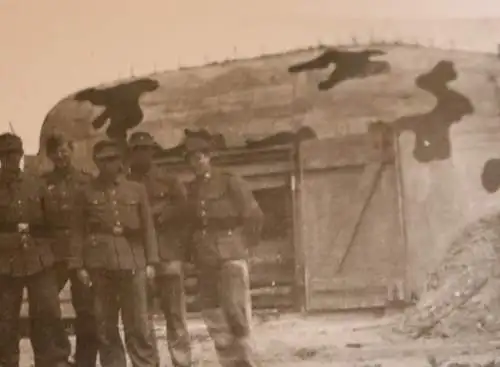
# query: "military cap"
107,149
10,143
141,139
197,144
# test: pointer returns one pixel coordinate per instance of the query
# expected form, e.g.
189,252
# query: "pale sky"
51,48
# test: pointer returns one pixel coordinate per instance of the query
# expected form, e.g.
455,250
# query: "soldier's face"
141,156
109,166
11,160
61,158
199,162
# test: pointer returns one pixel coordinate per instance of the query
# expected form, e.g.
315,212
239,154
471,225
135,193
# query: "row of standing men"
117,238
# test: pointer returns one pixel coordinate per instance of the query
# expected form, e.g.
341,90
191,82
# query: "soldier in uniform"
226,222
114,250
26,260
61,184
167,196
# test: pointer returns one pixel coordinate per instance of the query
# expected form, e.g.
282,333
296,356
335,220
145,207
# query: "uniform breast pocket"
221,208
96,207
159,200
230,245
128,210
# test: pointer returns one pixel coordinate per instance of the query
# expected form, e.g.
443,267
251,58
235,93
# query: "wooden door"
348,222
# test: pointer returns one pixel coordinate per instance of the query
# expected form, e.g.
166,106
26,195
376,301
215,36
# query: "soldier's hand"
84,277
150,272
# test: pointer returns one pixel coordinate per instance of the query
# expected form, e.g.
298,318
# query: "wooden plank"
300,273
260,276
406,292
331,153
248,171
275,297
236,155
352,219
348,284
353,301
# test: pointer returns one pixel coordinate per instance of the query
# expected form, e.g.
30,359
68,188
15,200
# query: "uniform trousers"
125,291
227,311
45,318
170,291
83,304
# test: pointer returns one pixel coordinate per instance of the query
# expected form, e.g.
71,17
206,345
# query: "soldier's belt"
116,230
221,224
56,228
36,230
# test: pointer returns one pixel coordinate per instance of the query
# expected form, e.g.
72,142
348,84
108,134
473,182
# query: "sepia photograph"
250,184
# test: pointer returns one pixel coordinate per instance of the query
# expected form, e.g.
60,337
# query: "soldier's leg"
51,338
11,295
85,324
214,315
152,296
37,342
230,323
170,286
105,286
136,319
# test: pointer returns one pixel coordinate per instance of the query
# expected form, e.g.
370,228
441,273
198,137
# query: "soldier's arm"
252,215
148,228
78,230
189,224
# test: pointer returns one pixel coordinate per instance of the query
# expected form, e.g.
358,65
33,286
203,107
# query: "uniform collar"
115,182
141,174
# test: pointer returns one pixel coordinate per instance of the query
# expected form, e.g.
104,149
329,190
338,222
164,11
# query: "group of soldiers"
118,237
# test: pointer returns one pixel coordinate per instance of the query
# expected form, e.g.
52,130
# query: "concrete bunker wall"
443,105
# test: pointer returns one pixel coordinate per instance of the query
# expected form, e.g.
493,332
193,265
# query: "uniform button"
114,202
229,232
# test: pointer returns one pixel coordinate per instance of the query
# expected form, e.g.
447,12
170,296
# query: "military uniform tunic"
113,227
59,197
23,235
167,196
114,238
226,221
26,260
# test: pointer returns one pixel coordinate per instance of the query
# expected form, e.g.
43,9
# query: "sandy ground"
332,340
